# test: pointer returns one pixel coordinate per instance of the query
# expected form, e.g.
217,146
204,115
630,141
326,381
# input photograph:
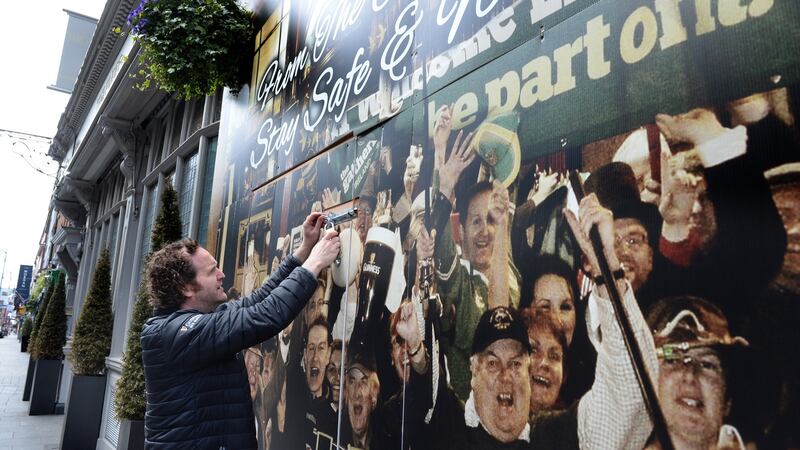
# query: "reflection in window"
149,217
188,182
111,244
205,204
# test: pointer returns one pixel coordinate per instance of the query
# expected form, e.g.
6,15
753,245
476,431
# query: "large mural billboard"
466,310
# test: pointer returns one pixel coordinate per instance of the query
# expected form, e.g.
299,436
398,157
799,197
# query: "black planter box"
84,412
45,387
26,393
131,435
23,343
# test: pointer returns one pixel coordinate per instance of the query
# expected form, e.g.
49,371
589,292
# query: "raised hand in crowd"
323,253
750,109
591,214
499,204
461,157
695,127
382,214
385,158
499,207
411,175
679,193
442,128
408,329
546,183
331,198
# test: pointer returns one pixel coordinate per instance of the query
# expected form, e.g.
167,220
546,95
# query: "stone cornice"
95,65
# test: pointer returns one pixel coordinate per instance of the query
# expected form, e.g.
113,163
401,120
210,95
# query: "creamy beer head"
345,272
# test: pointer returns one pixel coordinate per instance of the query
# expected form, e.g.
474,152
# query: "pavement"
18,430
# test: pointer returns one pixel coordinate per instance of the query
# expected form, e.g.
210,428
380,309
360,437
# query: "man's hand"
331,198
461,156
408,329
591,214
441,130
499,204
749,110
311,227
385,157
679,190
323,253
411,175
407,326
696,127
546,185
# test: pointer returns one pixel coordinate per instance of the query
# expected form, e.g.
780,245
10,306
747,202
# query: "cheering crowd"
505,336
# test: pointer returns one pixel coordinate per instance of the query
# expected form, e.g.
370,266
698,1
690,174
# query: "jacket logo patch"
189,324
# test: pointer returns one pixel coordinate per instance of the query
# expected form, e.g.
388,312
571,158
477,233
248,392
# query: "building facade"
118,146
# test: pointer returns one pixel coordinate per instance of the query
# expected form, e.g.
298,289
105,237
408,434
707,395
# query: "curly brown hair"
168,271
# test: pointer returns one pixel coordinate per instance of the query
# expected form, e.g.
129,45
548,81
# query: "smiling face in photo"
479,232
361,390
332,372
500,383
547,368
692,392
634,251
316,358
552,294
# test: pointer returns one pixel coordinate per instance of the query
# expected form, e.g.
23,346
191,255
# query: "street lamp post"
3,273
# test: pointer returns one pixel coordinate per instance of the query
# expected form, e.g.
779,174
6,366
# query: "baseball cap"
499,323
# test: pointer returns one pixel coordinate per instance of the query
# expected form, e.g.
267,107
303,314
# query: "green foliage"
39,317
38,287
167,227
53,332
192,47
26,328
92,340
130,401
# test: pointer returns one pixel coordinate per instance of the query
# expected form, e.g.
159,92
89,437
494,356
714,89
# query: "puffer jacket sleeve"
286,267
192,340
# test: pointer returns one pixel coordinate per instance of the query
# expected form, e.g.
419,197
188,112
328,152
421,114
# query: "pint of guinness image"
376,276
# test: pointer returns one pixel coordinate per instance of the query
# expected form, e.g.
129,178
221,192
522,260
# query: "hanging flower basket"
192,47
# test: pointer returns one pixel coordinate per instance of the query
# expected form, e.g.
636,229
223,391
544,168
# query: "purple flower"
134,17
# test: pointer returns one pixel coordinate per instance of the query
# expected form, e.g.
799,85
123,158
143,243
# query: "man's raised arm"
311,231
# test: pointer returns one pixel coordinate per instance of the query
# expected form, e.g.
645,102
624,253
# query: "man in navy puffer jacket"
198,396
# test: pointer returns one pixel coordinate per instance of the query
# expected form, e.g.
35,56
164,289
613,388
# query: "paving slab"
18,430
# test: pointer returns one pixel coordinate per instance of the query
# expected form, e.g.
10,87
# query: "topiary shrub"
39,315
53,332
92,340
167,227
130,401
26,328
